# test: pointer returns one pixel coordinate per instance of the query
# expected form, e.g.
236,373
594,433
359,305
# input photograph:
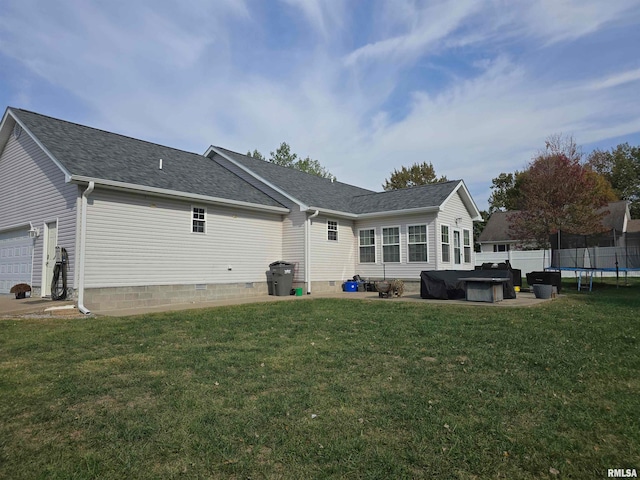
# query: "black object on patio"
446,284
545,278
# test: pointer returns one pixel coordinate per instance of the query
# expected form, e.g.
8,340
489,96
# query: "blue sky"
364,86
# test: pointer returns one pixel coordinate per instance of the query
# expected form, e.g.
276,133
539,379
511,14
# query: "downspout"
83,235
437,234
307,250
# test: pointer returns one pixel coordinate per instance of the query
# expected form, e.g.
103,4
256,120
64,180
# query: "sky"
364,86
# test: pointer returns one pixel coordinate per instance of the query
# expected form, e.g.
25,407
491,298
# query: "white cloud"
181,77
614,80
323,15
424,28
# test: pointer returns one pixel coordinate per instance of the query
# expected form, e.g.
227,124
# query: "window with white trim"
417,241
391,244
367,245
198,220
445,243
332,230
466,239
501,247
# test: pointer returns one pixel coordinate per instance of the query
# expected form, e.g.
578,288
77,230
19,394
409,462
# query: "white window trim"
391,244
441,243
192,219
375,246
337,230
465,246
460,255
426,229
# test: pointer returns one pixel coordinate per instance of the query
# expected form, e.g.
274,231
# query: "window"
391,244
417,239
466,237
457,258
367,245
332,230
198,220
444,240
501,247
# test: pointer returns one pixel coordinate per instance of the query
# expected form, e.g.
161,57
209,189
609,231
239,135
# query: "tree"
417,174
621,167
507,192
560,193
285,158
255,154
313,167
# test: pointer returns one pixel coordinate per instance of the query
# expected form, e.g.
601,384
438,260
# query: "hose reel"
59,280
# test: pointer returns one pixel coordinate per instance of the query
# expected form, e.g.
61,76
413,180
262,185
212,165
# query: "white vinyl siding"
417,248
445,243
137,240
293,241
391,244
332,260
367,245
33,189
456,216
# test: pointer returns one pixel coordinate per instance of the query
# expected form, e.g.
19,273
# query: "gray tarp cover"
446,284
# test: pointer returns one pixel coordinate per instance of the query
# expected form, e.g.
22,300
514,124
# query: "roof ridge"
105,131
293,168
407,188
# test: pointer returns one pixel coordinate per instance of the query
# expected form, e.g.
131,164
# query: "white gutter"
388,213
83,242
162,192
307,250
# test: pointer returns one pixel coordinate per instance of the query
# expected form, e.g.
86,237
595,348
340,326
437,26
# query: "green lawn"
327,389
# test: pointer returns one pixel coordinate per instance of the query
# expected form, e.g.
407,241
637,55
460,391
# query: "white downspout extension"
83,234
307,251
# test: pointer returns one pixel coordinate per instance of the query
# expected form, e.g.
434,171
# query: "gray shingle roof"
322,193
309,189
432,195
101,155
89,152
614,219
498,226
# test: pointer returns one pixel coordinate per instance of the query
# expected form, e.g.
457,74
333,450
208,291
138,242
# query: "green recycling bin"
282,278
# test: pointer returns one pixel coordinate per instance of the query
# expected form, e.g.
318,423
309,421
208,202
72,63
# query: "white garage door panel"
16,250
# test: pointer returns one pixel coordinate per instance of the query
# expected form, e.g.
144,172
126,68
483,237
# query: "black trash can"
270,282
282,278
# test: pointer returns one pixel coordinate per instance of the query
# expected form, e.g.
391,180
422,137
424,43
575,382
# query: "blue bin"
350,286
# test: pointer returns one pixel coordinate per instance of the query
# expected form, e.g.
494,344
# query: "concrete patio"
12,308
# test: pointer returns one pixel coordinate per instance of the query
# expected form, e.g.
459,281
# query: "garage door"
16,250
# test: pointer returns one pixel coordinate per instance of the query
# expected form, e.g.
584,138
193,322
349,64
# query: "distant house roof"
498,227
99,155
633,226
615,218
322,193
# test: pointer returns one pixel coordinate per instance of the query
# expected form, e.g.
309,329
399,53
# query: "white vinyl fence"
536,261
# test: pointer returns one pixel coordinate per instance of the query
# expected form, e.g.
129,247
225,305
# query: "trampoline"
586,255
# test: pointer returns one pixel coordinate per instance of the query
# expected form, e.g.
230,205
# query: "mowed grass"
327,389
